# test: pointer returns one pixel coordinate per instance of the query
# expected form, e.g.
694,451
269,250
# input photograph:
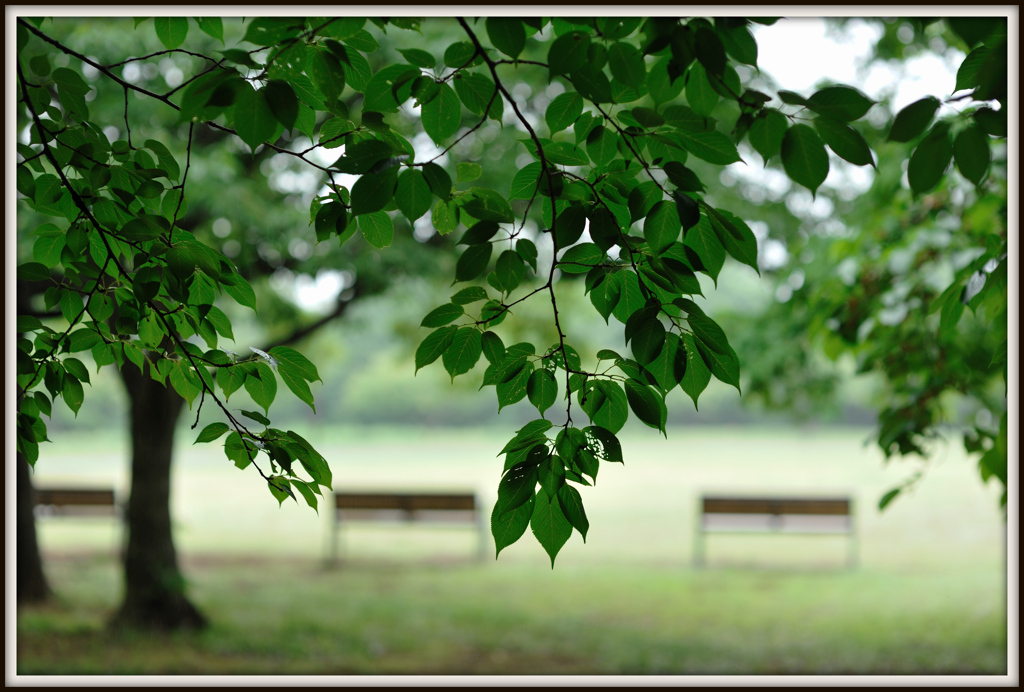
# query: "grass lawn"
928,597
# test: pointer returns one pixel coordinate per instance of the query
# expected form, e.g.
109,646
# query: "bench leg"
483,546
332,548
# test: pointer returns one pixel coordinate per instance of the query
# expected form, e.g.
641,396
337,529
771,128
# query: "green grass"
928,598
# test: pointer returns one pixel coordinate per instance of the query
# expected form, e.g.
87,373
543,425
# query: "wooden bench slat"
768,505
409,502
61,497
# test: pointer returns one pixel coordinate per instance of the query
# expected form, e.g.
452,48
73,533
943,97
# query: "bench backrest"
76,501
409,502
776,506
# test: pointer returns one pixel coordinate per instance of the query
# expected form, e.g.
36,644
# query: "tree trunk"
154,587
32,585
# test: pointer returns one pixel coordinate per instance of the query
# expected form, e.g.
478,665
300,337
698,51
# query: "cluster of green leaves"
939,344
963,360
609,185
133,287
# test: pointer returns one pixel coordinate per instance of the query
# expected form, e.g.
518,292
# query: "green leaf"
602,145
568,52
459,54
647,336
991,121
438,180
266,31
549,525
413,195
445,314
697,375
699,93
33,271
211,432
930,159
886,499
703,240
238,451
724,366
436,343
419,58
660,84
297,385
183,379
509,271
442,116
488,205
840,102
524,182
283,103
563,111
952,311
507,35
262,385
714,147
627,64
662,226
592,83
469,295
445,216
290,360
513,387
373,191
377,229
605,404
509,526
804,157
212,26
565,154
572,505
542,389
473,262
579,259
463,352
466,171
646,404
736,237
171,30
912,120
846,142
766,133
670,365
477,92
739,43
493,348
254,121
362,156
71,305
972,153
331,219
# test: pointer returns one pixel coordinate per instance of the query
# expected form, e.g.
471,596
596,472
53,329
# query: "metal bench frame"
419,507
770,514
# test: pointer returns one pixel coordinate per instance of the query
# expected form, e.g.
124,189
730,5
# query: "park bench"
76,502
792,515
421,507
59,502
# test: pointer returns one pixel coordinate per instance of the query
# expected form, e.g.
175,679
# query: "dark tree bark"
32,585
154,596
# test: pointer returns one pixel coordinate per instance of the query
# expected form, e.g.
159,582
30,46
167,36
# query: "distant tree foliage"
608,185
